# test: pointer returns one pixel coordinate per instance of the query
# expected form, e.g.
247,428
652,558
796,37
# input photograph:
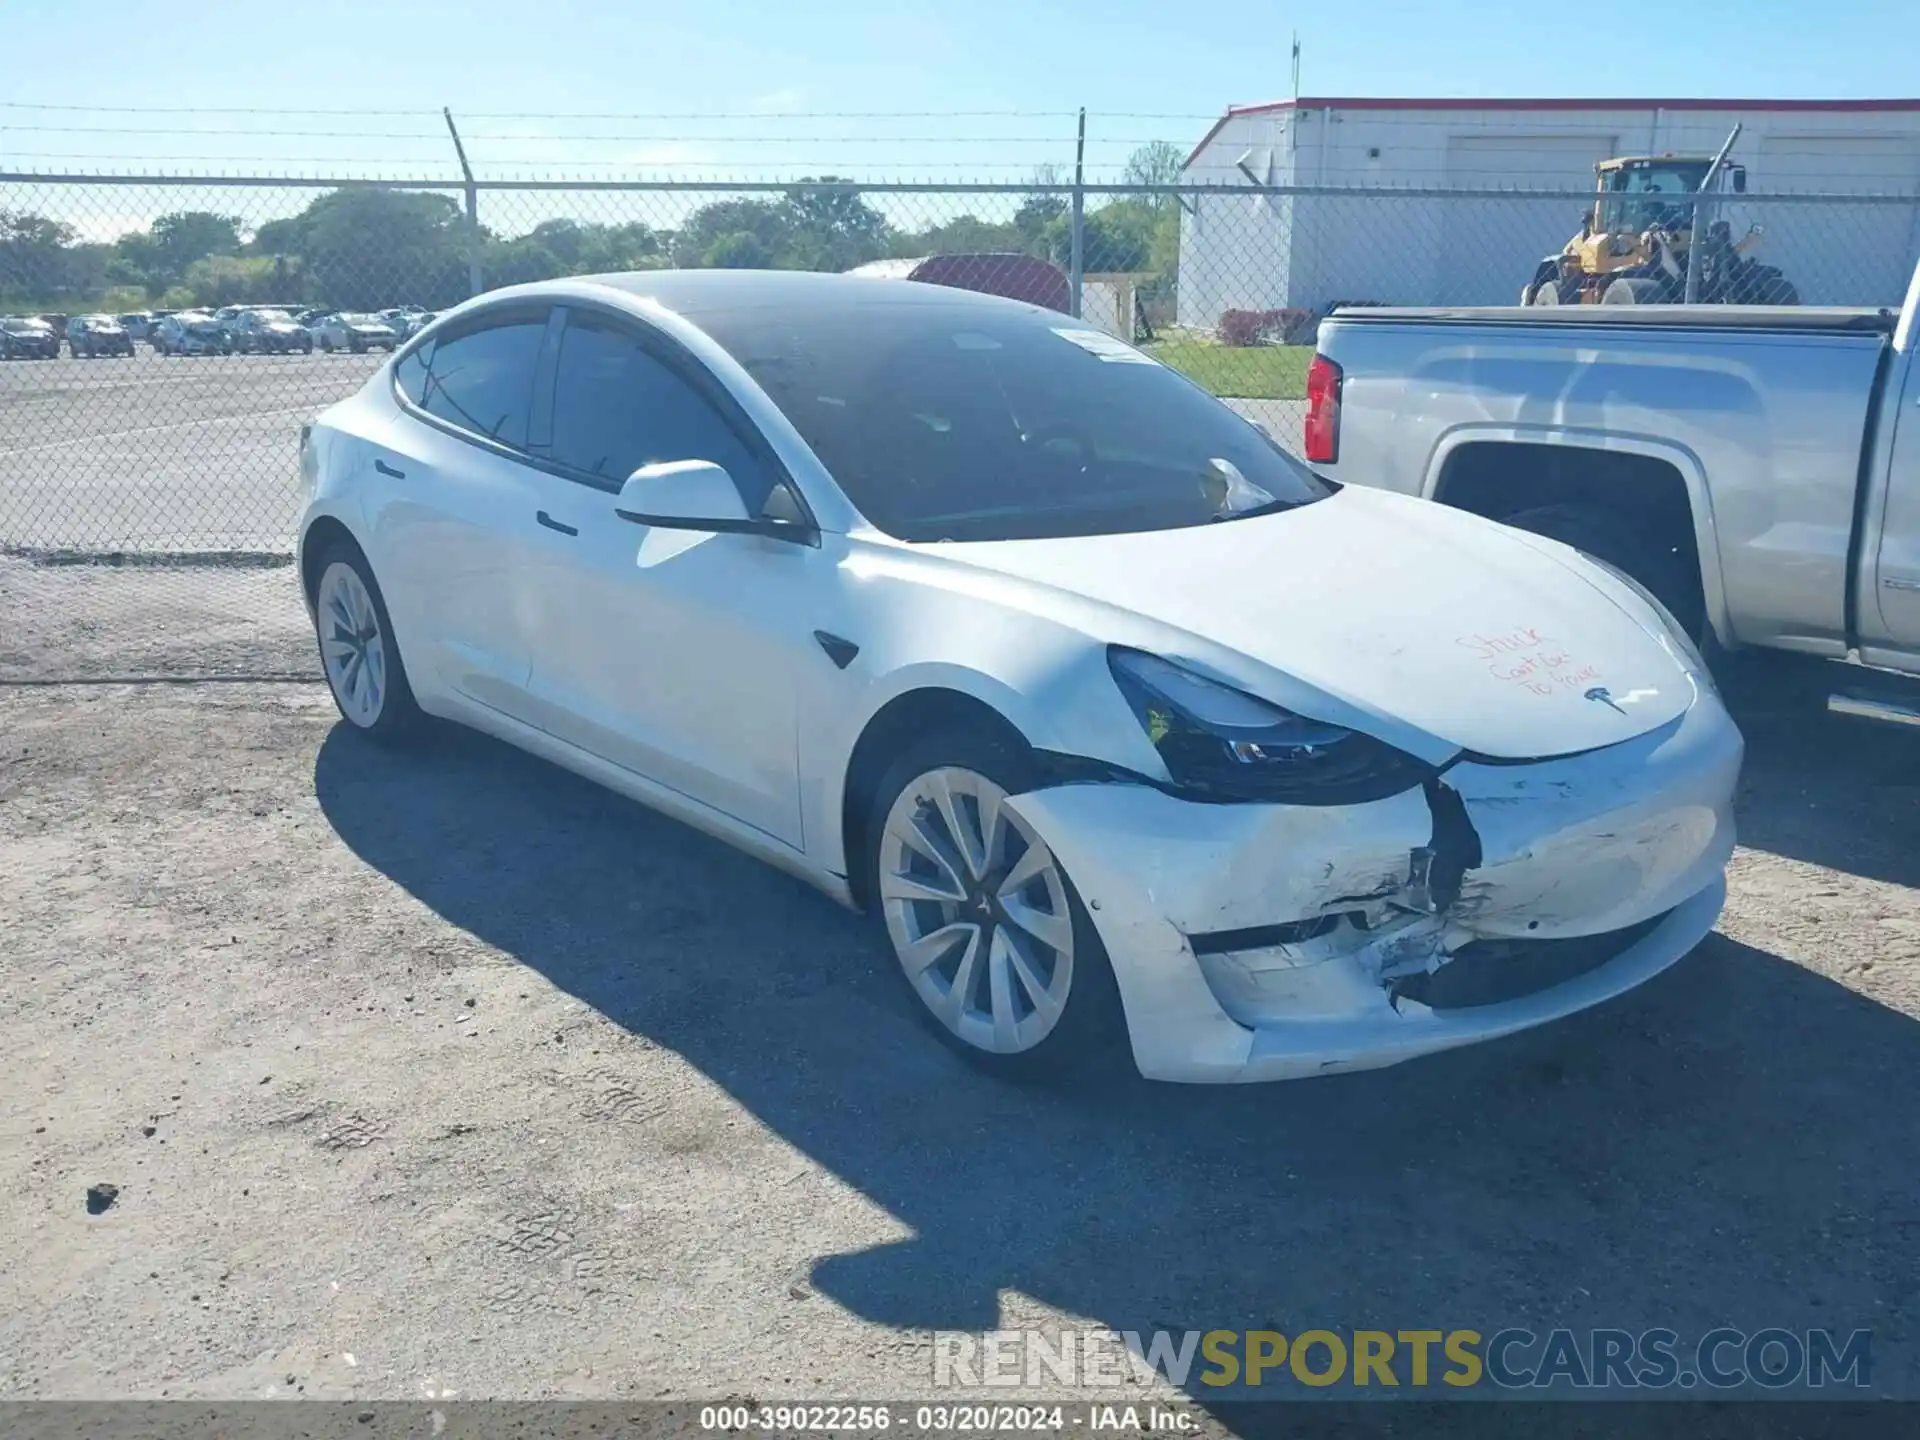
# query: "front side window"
482,381
616,407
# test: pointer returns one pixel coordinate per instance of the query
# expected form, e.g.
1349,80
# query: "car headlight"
1223,744
1690,654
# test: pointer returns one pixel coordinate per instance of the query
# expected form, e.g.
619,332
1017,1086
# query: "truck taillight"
1322,437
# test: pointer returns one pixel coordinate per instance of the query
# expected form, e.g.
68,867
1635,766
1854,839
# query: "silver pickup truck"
1757,468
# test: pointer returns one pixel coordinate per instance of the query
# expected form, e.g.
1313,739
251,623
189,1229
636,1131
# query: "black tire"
355,347
1090,1036
398,716
1767,286
306,346
1636,292
1606,537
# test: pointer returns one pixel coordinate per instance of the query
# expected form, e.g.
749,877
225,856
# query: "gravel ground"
447,1073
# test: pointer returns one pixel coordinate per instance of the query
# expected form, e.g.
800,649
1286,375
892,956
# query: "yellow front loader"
1634,245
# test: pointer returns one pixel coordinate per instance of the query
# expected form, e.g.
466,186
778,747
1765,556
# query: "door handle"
386,469
552,524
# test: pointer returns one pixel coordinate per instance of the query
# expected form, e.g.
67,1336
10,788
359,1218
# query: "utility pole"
1296,67
1697,242
476,282
1078,256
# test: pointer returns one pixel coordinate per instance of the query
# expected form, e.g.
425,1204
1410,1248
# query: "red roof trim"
1350,102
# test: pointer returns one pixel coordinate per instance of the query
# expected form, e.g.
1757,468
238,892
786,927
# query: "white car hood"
1478,636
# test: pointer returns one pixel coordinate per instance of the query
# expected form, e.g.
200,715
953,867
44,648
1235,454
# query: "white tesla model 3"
1127,728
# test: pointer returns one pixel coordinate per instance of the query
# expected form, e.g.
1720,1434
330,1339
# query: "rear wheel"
357,649
1769,287
1606,537
986,930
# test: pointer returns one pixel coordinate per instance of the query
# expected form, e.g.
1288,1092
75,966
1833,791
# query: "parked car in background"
89,336
136,323
190,332
418,321
1018,277
355,332
269,332
1127,729
1757,468
28,337
402,319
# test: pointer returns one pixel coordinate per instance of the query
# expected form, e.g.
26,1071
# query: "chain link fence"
148,461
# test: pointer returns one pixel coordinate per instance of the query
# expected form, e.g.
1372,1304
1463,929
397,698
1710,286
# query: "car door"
1898,590
674,654
458,498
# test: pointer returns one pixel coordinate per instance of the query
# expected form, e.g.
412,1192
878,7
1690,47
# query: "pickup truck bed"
1688,317
1757,467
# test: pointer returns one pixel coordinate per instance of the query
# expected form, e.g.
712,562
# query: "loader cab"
1641,193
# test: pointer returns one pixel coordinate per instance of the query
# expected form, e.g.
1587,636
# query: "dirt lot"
449,1074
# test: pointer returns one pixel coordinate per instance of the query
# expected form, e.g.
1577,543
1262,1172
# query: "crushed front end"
1270,941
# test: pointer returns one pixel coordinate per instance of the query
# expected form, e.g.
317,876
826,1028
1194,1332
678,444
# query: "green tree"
237,280
1038,213
830,227
184,236
1117,237
742,250
962,235
34,264
767,224
367,248
1158,162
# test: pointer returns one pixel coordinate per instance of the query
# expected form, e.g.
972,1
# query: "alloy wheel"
976,906
351,645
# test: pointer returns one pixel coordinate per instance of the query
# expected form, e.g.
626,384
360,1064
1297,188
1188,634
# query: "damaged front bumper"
1268,942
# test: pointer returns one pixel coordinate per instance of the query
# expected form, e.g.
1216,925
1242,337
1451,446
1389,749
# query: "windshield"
972,422
1639,197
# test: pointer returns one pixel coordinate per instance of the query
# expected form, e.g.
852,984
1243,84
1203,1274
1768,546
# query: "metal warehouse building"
1257,252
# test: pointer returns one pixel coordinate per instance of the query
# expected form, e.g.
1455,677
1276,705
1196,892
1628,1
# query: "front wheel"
357,648
986,930
1637,292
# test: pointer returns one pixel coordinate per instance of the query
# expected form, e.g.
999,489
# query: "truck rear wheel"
1606,537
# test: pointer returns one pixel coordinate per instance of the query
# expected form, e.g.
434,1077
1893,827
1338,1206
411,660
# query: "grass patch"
1252,372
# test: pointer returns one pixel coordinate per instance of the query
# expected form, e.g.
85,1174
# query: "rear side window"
482,381
410,374
616,407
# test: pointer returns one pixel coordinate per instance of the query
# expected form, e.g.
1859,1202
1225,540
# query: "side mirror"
700,495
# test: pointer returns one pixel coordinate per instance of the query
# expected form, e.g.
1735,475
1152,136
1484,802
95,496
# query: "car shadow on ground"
1830,790
1731,1144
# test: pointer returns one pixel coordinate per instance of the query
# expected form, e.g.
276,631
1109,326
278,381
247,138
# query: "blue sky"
789,71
